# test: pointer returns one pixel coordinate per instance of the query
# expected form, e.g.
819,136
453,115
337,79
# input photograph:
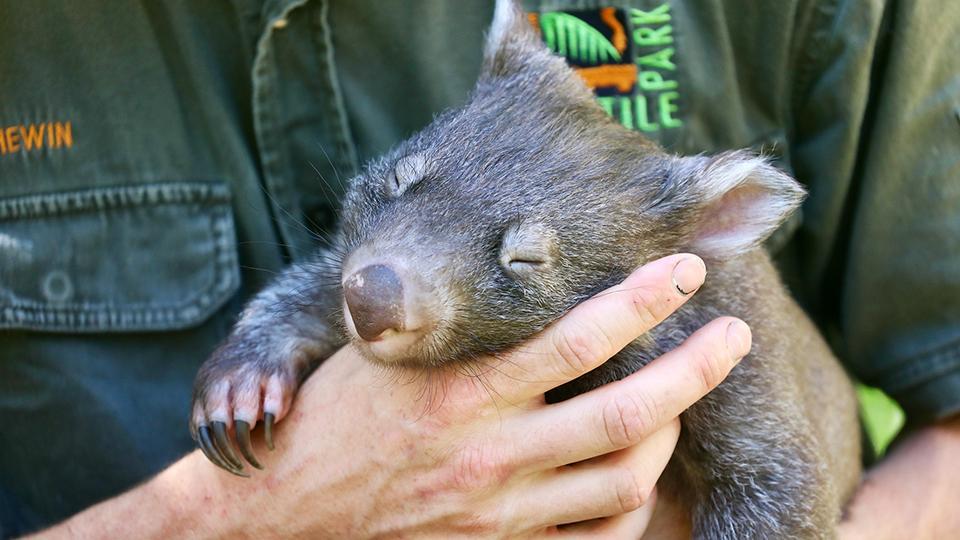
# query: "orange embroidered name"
32,137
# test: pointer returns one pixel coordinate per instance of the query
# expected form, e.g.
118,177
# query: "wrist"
856,522
190,498
183,500
909,493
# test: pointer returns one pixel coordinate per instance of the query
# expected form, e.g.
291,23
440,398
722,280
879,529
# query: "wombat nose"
374,296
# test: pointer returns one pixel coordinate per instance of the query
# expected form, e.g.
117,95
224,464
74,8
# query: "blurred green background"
882,417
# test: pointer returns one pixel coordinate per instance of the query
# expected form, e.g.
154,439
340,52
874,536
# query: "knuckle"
509,519
648,306
708,366
579,349
477,467
631,494
480,524
627,419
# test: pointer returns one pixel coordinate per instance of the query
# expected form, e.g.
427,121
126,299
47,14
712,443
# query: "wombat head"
502,215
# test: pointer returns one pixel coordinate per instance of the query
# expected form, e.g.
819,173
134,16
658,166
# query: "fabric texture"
160,161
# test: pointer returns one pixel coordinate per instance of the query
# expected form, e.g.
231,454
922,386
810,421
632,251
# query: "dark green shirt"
159,161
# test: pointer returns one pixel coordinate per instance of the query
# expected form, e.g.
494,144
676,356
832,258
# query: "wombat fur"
514,211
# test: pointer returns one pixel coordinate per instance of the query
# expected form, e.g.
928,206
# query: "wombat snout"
374,298
388,307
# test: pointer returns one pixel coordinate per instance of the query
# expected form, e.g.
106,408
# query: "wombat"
501,216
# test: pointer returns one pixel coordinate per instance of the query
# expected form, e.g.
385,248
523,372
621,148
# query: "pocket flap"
131,258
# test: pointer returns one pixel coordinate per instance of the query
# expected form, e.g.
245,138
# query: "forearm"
914,492
180,501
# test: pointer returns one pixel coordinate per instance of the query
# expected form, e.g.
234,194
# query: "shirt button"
57,286
280,24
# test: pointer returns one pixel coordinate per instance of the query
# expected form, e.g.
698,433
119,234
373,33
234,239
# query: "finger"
628,525
224,445
623,413
598,328
614,484
243,441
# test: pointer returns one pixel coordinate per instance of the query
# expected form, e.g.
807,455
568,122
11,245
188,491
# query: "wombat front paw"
230,395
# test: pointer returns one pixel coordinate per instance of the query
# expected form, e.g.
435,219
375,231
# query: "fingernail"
738,338
688,275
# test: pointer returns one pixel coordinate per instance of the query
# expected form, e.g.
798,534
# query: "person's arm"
877,141
184,500
914,492
363,455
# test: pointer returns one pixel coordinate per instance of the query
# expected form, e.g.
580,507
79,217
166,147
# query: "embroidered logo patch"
34,137
626,55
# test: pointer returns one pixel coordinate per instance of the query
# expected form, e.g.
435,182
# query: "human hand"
913,492
362,456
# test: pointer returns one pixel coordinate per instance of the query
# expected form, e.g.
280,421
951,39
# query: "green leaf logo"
573,38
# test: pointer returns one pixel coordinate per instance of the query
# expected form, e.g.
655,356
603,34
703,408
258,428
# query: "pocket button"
57,287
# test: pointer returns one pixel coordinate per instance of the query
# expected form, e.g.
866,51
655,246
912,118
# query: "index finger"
625,412
598,328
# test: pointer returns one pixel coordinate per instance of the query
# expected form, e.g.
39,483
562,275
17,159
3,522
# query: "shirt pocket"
129,258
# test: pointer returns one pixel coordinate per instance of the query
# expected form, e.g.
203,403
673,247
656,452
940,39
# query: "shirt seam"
922,368
812,48
343,136
281,194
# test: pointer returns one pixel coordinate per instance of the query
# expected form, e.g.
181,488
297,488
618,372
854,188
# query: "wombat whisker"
430,390
328,193
328,242
506,360
526,351
333,166
616,291
495,397
258,269
305,296
311,232
480,376
397,375
266,242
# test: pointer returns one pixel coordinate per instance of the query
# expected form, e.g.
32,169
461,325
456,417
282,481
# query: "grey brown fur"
773,452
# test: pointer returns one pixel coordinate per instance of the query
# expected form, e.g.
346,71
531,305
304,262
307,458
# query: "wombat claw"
268,419
219,449
243,441
224,445
209,449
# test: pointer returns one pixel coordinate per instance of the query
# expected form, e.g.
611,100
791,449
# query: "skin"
911,494
914,492
487,464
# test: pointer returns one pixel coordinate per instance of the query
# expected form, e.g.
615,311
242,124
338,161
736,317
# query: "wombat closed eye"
502,215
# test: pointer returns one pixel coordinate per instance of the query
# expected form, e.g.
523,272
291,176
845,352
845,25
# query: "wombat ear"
512,44
735,199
